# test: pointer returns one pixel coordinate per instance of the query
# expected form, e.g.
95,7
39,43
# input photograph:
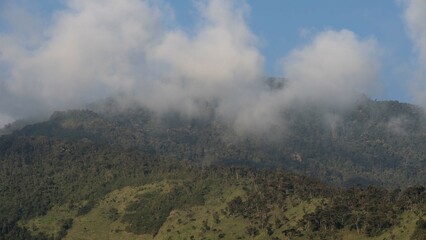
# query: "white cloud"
218,59
99,48
93,48
333,70
335,67
415,18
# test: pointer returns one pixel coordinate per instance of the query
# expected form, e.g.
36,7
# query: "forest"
105,173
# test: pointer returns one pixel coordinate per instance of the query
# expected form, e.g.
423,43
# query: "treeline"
80,156
368,210
379,143
38,173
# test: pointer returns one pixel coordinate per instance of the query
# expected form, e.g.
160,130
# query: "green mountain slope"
104,198
132,174
381,143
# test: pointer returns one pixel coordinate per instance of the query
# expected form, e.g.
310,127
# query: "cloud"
211,65
223,50
415,19
397,125
332,71
133,50
94,49
335,67
5,119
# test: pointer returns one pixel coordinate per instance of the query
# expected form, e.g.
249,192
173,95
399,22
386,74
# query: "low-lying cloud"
4,119
132,49
332,70
335,67
397,125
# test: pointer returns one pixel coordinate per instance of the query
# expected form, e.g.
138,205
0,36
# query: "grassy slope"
404,231
97,224
209,221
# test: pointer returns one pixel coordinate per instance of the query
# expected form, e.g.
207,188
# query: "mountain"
380,143
107,172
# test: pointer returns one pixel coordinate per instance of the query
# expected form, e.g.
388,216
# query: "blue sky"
282,25
54,55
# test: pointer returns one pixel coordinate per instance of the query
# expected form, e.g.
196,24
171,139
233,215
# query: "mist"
135,51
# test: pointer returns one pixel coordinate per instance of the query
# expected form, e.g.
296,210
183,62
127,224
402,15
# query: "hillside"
132,174
380,143
103,193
